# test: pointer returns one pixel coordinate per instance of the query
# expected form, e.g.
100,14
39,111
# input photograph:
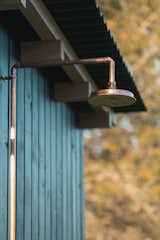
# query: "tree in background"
123,164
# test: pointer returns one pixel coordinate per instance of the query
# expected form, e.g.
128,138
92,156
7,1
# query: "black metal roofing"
82,23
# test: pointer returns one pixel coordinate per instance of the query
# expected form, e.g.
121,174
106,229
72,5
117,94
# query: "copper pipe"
111,83
12,160
13,156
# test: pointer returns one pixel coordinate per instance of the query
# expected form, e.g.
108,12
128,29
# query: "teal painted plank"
3,136
28,154
59,171
20,155
41,160
73,167
69,175
53,146
35,156
64,172
48,163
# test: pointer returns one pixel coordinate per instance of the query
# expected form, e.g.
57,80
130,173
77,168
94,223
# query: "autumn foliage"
122,167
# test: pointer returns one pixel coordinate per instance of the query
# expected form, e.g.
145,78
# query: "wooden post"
40,53
72,92
97,119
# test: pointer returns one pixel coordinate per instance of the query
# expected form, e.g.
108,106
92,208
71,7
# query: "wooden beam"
12,4
45,26
40,53
98,119
75,92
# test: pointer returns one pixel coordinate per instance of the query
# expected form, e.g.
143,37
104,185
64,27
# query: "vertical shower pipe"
13,156
12,159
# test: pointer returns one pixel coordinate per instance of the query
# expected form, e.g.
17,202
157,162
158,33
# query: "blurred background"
122,164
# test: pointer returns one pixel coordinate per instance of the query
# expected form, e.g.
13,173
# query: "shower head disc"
112,98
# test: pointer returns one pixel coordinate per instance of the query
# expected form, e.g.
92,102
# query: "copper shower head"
112,97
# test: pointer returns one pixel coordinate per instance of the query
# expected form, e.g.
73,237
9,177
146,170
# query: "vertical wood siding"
50,201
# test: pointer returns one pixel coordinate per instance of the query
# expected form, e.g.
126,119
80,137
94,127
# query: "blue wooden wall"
50,199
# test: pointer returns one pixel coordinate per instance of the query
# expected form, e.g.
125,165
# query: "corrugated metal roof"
82,23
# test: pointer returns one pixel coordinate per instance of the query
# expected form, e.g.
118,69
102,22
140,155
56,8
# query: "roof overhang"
42,21
83,24
45,26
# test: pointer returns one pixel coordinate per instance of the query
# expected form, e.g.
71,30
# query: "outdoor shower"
110,97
